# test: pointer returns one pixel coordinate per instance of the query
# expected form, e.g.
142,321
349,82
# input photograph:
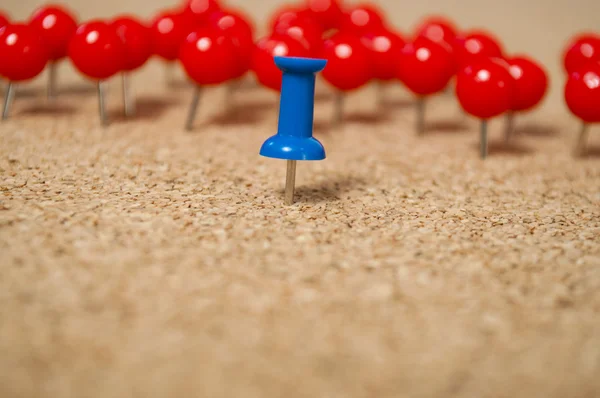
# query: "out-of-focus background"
539,28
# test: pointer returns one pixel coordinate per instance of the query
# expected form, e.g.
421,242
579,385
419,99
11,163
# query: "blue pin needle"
294,139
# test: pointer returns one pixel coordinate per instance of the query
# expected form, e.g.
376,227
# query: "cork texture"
145,260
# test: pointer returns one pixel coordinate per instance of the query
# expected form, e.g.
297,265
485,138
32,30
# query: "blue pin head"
294,140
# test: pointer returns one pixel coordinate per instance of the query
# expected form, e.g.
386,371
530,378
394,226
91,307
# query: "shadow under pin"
334,188
502,148
189,123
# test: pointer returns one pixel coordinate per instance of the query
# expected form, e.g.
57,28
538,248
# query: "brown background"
142,260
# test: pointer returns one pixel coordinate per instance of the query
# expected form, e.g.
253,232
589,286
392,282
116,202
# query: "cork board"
143,260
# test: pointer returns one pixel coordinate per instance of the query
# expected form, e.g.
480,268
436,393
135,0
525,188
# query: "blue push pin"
294,140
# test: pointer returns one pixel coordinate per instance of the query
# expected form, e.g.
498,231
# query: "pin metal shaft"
290,182
510,126
128,100
189,124
420,121
582,140
8,99
101,104
52,80
483,140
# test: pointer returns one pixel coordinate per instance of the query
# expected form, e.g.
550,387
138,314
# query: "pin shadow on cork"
294,139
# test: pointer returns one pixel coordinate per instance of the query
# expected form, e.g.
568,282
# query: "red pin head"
305,30
348,61
96,50
384,46
239,28
582,92
582,49
476,44
426,66
363,18
169,29
22,45
485,88
208,56
137,43
266,49
530,83
201,10
56,26
437,29
136,39
327,12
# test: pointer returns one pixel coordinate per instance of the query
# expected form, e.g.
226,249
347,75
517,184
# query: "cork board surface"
143,260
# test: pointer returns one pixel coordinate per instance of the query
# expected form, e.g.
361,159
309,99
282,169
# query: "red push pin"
363,18
437,29
169,29
201,10
56,25
425,67
530,85
239,28
287,13
302,28
470,46
582,95
484,90
97,52
384,46
582,49
22,46
208,57
348,67
137,43
328,13
263,64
